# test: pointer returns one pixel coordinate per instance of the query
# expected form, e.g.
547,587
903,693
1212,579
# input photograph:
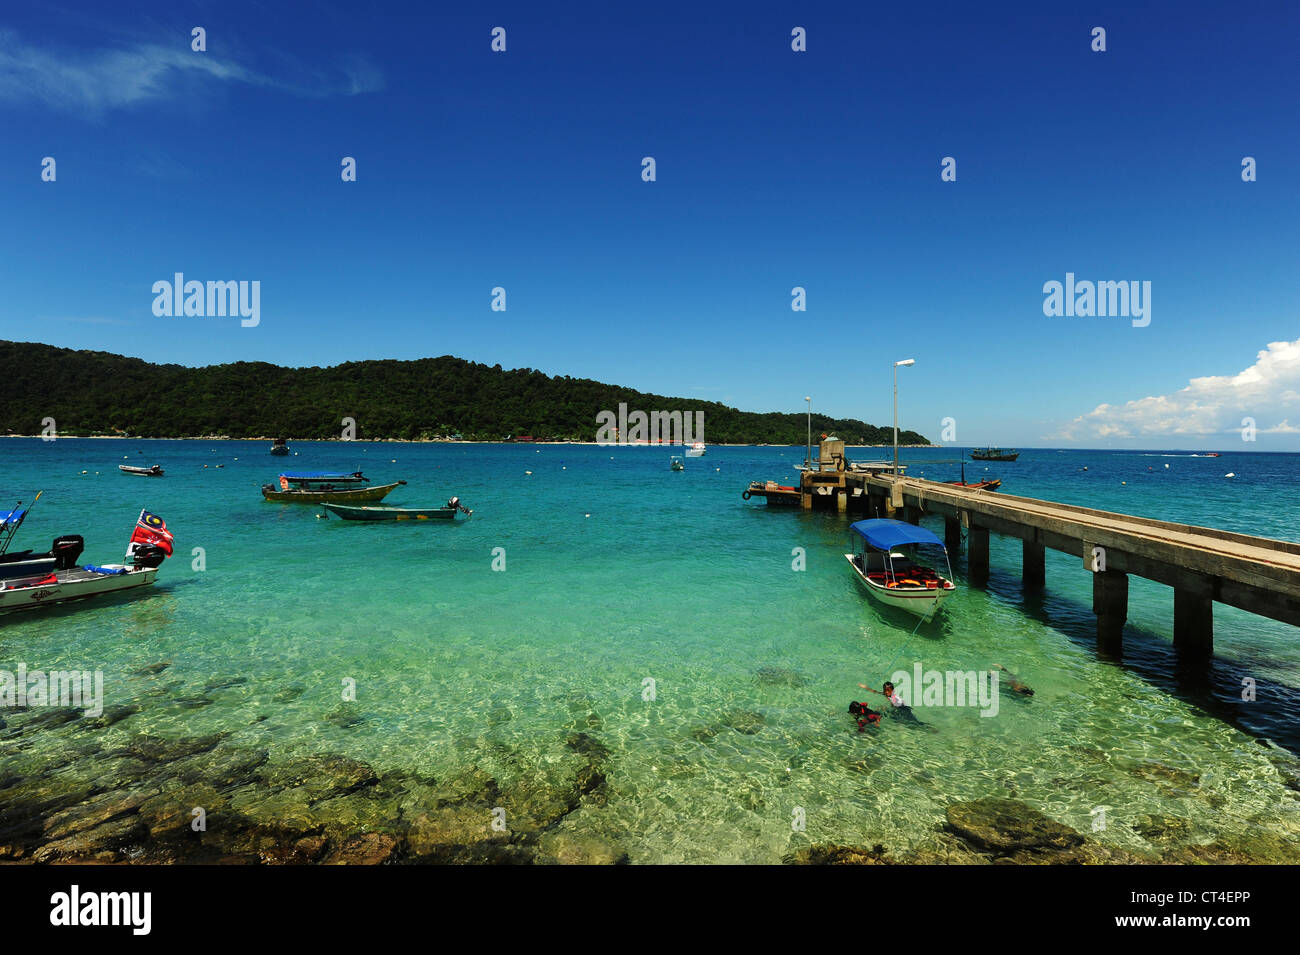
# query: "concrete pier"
1202,565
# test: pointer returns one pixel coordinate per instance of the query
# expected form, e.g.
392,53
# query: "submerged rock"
367,848
748,722
1006,826
830,854
1157,827
779,676
323,776
568,848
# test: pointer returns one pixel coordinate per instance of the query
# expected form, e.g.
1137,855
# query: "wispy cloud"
1266,391
98,81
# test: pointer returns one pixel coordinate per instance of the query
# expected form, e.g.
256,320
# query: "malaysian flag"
150,529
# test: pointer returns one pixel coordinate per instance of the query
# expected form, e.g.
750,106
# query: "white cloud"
102,80
1266,391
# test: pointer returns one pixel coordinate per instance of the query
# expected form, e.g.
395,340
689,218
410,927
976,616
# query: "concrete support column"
952,535
842,500
1033,565
1110,604
977,554
1193,622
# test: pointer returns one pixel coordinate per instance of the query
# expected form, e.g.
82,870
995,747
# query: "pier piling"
977,555
1033,564
1193,621
1110,604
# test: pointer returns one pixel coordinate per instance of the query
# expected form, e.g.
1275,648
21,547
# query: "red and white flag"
150,529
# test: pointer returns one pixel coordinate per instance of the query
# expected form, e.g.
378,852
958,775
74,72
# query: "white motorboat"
67,581
697,450
891,575
75,583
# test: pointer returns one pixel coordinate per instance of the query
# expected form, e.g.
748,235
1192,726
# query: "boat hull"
70,585
140,472
921,601
358,495
26,565
350,513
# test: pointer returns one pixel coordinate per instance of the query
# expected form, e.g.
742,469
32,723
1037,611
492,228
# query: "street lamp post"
904,363
807,460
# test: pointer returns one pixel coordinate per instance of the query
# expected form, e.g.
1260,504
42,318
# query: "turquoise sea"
618,572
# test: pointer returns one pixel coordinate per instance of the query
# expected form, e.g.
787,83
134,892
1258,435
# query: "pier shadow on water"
1212,684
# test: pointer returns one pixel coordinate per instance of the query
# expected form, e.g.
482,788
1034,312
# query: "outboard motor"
148,555
65,551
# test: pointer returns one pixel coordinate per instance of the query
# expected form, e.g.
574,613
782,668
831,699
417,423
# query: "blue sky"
775,169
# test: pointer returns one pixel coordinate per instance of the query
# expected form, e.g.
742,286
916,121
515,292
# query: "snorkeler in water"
1017,685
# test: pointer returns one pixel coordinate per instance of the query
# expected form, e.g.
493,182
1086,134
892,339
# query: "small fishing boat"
150,545
697,450
154,471
994,454
279,448
323,487
891,575
676,463
448,512
990,485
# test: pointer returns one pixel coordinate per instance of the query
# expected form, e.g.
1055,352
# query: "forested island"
98,393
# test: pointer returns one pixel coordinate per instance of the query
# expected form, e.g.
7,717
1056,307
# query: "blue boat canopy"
321,476
885,534
14,516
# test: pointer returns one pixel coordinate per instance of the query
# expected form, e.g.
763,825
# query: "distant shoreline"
597,444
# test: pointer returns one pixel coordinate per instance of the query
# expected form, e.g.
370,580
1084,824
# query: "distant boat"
994,454
990,485
154,471
893,577
697,450
279,448
320,487
448,512
676,463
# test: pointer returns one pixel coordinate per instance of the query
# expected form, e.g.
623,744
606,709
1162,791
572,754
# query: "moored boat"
322,487
994,454
152,471
676,464
448,512
279,448
697,450
891,575
150,545
990,485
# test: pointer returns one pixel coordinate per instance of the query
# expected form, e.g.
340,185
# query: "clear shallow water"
619,570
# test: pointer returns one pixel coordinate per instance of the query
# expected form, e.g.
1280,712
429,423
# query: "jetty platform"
1201,564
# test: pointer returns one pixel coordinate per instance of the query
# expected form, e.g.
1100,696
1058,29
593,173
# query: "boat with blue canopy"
885,562
21,563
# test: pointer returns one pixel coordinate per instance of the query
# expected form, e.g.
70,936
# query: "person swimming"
865,715
1017,685
896,704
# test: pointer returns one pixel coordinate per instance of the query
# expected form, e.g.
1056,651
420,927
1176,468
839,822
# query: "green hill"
88,392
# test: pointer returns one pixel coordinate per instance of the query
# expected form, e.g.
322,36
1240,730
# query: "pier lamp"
904,363
807,460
